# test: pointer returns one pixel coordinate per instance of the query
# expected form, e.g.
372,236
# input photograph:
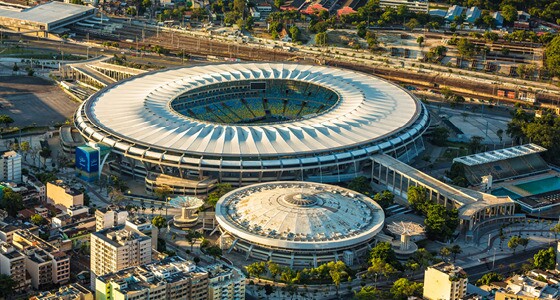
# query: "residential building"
139,223
12,262
531,286
10,166
7,232
45,263
59,193
37,185
118,248
109,217
170,278
444,281
225,282
412,5
72,291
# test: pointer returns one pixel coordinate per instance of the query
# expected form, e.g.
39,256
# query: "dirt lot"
30,100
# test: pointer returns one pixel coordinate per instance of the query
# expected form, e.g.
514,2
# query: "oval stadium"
300,224
245,123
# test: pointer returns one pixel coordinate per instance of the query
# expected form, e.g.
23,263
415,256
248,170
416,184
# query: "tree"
500,134
159,222
524,242
402,289
488,278
321,39
509,12
545,259
220,190
12,202
385,198
191,236
455,250
214,251
37,219
475,143
385,253
444,252
552,55
295,33
420,40
6,120
367,293
465,48
116,196
361,185
372,41
7,285
274,269
439,136
457,174
513,243
411,24
440,222
379,266
256,269
24,147
418,198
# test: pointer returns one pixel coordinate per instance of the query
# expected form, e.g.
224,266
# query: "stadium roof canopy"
497,155
50,15
137,111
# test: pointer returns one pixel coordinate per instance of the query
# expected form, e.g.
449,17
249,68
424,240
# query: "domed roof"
299,215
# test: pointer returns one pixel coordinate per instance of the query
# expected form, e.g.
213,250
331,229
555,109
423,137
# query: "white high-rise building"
118,248
10,166
109,217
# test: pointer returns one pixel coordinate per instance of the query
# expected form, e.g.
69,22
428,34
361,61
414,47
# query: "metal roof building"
213,120
44,17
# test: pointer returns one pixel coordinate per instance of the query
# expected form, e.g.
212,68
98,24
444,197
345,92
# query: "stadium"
300,224
245,123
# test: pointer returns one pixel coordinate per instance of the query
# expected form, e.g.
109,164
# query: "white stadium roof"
270,214
137,111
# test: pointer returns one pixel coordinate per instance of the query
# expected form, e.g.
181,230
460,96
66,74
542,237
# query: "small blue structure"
498,19
87,163
473,14
453,12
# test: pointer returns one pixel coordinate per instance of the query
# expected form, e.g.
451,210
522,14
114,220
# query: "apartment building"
444,281
10,166
72,291
109,217
58,193
45,263
225,282
118,248
12,263
170,278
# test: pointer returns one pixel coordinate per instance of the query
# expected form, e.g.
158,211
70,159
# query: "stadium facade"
246,123
300,224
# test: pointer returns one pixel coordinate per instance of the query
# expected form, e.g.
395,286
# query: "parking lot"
34,101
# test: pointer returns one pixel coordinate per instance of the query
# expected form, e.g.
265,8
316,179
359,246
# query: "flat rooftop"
497,155
47,13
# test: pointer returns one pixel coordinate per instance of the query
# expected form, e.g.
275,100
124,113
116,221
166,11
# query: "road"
501,265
